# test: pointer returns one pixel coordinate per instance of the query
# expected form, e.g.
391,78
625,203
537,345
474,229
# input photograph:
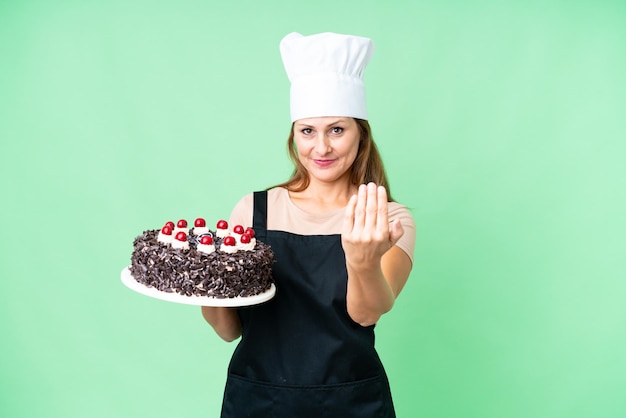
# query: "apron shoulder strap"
259,215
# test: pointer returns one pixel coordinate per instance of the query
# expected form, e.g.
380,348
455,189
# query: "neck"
322,197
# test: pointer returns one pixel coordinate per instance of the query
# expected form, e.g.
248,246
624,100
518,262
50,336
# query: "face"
327,146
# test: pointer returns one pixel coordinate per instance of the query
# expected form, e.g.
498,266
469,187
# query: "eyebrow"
301,124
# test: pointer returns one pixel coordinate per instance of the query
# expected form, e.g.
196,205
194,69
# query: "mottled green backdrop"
503,128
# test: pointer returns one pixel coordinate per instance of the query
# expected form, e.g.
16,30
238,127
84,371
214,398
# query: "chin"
327,179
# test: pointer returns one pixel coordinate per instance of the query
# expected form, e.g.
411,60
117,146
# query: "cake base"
152,292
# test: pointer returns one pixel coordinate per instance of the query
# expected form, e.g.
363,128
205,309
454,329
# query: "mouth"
323,163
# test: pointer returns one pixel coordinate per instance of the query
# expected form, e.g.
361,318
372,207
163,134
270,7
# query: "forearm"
369,294
225,322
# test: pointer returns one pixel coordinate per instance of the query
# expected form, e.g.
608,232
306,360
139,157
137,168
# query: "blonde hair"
367,166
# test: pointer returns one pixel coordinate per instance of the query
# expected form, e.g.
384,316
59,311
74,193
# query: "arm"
224,321
377,268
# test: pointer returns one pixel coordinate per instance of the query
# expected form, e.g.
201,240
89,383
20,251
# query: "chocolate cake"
202,262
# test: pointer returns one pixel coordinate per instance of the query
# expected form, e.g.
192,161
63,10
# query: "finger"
348,221
371,210
359,210
396,230
382,221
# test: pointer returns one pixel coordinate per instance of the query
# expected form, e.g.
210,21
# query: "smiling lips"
323,163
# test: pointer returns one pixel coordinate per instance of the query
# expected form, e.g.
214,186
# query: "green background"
503,129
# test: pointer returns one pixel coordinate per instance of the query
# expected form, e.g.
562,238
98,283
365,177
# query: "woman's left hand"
367,233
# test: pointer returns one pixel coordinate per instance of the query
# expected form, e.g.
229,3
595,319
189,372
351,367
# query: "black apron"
300,354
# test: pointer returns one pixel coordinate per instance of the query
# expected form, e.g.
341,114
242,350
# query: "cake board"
152,292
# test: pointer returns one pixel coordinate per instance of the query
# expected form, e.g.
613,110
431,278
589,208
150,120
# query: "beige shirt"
284,215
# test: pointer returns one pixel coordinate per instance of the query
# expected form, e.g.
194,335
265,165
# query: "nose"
322,144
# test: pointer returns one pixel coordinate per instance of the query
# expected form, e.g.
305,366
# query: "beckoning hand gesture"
367,233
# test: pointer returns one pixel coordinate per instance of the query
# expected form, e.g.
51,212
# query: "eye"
336,130
306,131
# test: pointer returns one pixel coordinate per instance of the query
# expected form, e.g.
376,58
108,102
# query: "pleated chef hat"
326,74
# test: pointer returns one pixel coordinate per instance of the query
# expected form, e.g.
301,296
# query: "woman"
343,248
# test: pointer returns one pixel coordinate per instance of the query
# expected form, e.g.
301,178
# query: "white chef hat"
326,74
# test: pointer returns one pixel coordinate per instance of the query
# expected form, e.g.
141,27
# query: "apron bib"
300,354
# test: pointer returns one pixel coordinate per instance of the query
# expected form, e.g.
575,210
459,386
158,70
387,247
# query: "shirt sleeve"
407,241
242,212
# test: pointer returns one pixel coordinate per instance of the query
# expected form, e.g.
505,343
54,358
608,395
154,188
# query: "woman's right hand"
225,321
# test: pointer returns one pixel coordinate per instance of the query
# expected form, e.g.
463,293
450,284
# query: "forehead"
323,121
